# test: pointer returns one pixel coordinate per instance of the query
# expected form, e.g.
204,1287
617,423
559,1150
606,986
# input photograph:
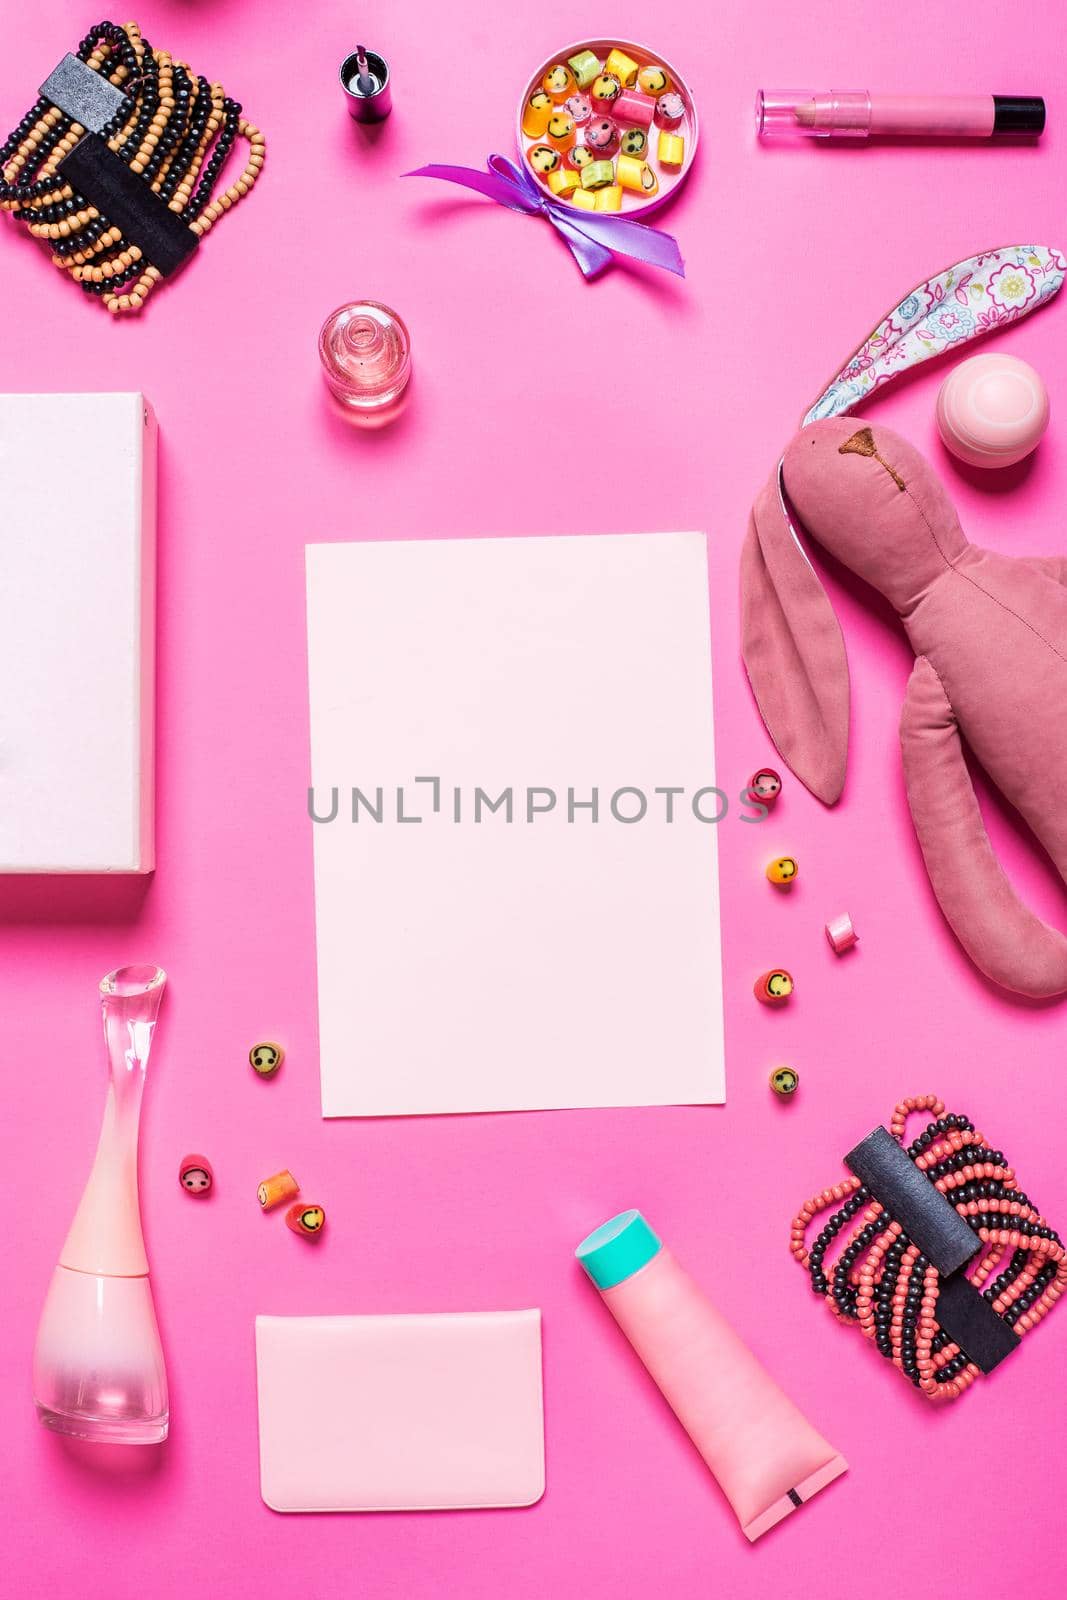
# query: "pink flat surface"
792,254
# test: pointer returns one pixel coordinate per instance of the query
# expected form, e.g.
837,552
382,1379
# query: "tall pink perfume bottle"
365,350
98,1369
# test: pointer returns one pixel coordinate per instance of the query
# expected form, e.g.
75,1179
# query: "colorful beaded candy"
608,109
175,130
882,1281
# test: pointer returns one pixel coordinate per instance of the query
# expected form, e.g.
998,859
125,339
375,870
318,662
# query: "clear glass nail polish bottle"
365,351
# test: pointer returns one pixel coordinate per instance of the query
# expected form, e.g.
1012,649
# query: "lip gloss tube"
917,116
765,1455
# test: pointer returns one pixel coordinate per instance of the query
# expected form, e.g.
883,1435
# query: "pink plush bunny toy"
871,500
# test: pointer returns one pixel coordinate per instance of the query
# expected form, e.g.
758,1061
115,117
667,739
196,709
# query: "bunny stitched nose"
862,444
871,500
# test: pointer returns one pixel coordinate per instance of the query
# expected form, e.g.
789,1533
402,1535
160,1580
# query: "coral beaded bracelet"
882,1280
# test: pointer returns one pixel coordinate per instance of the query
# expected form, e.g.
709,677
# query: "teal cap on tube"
617,1249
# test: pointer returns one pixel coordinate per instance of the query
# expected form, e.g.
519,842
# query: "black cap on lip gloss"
1018,113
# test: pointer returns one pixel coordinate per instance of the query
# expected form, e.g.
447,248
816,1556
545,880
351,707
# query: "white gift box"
77,633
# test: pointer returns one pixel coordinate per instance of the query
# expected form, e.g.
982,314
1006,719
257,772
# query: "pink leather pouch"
400,1413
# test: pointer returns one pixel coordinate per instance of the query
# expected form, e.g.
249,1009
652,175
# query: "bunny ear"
946,312
793,650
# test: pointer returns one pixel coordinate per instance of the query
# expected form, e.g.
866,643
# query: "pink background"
540,405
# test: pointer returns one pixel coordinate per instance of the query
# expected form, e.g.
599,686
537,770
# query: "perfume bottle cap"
618,1248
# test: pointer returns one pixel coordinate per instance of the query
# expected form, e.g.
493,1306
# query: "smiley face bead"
773,988
558,82
195,1176
543,159
579,108
306,1220
605,91
670,109
560,130
535,114
764,787
784,1081
653,80
601,136
783,871
580,156
266,1058
634,142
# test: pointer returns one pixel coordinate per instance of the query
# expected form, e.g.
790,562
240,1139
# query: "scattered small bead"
784,1081
266,1058
195,1176
783,871
841,934
272,1191
764,787
773,988
307,1220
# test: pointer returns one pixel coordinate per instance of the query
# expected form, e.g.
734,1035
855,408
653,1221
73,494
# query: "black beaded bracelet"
115,164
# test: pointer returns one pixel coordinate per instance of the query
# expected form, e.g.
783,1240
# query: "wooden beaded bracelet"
944,1327
123,200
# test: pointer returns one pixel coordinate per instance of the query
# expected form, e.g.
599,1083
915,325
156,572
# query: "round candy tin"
665,167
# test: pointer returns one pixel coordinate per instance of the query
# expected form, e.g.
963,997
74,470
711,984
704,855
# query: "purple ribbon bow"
593,238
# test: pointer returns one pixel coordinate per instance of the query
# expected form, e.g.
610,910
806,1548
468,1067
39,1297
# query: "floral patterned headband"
960,304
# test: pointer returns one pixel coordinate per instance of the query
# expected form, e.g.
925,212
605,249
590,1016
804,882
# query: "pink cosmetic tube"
765,1455
914,116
